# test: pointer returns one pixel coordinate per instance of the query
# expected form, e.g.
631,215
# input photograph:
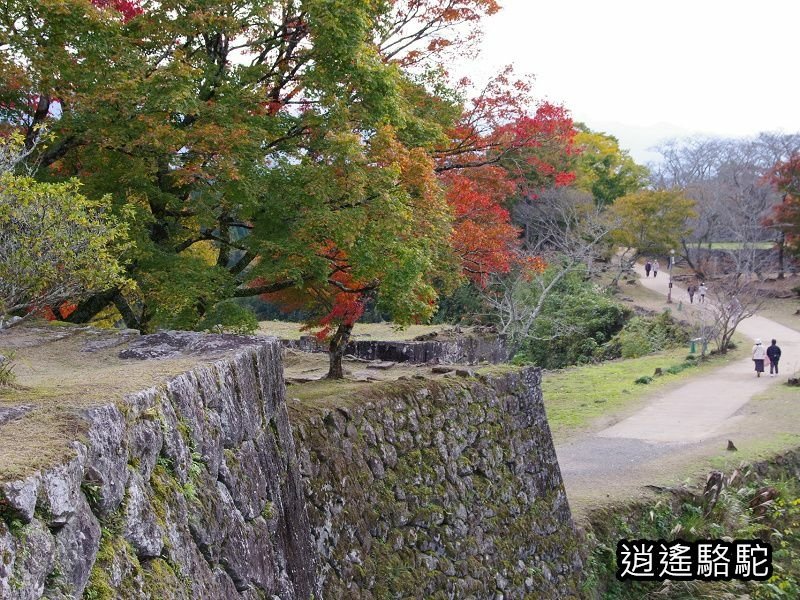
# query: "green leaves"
653,221
56,244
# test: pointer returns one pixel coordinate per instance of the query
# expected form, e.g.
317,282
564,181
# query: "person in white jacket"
759,354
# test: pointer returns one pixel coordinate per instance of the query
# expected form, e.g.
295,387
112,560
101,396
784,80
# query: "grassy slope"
578,397
783,311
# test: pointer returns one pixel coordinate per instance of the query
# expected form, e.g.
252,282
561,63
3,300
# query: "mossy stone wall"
447,489
190,490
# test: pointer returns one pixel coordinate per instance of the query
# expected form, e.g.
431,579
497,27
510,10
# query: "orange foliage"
498,151
338,303
483,236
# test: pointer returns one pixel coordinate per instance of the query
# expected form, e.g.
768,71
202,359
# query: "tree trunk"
89,308
131,320
687,255
336,351
781,244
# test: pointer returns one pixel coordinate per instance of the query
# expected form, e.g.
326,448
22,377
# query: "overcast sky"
644,70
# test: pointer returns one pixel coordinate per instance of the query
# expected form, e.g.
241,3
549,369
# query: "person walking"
759,354
774,355
702,291
647,266
691,291
655,267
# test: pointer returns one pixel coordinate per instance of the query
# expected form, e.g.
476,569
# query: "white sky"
644,70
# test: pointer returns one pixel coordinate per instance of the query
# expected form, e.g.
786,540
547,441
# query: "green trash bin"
692,348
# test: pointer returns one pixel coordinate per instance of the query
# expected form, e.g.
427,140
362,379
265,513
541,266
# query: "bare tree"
733,299
726,178
566,229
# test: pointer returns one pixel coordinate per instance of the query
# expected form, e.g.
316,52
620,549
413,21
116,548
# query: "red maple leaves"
786,215
483,236
127,8
500,151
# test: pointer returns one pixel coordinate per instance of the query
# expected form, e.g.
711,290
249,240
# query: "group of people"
700,290
760,353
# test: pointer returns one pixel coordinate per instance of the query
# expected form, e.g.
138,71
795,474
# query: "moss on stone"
161,581
99,586
444,515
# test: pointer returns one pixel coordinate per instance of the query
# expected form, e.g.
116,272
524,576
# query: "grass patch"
576,397
738,245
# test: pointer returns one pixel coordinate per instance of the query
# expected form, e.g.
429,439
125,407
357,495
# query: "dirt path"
650,446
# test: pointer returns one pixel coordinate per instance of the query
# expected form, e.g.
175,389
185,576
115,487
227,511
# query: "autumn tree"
603,168
785,217
650,222
503,148
368,223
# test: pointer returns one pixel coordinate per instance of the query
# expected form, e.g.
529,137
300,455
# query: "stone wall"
444,489
205,488
464,349
189,490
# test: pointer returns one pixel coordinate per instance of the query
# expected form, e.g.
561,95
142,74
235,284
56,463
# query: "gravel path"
631,453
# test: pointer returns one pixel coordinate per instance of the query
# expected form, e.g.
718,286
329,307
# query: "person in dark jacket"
647,267
774,355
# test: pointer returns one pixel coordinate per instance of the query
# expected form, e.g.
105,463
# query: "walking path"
686,416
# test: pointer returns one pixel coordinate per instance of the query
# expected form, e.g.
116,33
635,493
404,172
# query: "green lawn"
578,396
737,245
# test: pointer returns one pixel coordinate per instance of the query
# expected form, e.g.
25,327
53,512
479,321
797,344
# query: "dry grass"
783,311
38,440
58,381
362,331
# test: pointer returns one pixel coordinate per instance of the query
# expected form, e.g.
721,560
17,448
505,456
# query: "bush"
230,317
644,380
7,376
644,335
576,321
634,342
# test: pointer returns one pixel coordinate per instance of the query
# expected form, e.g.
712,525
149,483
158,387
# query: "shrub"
643,335
575,323
675,369
229,316
634,342
7,376
56,245
644,380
